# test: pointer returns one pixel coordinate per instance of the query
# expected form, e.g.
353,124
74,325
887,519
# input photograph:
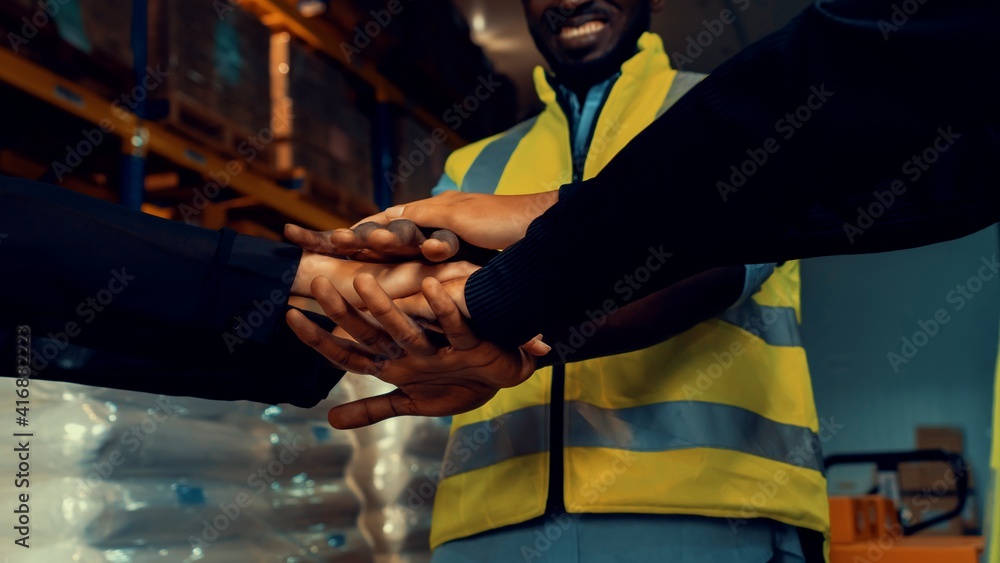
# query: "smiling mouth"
583,30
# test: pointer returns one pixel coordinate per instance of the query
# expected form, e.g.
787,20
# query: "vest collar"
650,59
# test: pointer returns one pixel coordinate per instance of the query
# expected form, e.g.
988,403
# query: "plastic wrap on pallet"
316,451
397,467
100,437
313,506
332,547
130,477
139,512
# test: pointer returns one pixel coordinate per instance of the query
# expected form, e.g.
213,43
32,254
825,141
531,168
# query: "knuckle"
369,339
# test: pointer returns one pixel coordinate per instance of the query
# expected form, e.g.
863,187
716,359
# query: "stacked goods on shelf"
418,160
397,466
329,134
216,62
209,64
366,26
108,27
133,478
83,40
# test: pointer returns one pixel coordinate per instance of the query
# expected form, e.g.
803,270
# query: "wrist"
456,290
312,266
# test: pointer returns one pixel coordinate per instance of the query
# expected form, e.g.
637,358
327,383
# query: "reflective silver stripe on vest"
690,424
683,82
775,325
650,428
483,177
481,444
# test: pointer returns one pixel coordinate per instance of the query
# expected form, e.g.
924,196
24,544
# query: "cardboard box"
940,438
927,476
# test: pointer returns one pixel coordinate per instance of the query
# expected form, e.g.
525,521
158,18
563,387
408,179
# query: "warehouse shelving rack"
140,137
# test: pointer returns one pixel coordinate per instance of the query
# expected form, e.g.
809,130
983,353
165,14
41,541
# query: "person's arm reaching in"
481,220
132,301
674,188
431,380
435,380
776,155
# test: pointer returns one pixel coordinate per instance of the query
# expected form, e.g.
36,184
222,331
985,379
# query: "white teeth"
579,31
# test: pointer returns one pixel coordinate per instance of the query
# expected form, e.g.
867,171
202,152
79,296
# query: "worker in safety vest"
705,446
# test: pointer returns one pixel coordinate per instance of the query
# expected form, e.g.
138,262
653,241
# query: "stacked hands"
398,299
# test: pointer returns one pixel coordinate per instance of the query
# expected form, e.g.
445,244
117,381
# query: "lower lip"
571,36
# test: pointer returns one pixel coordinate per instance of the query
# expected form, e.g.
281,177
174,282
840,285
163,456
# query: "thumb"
536,347
371,410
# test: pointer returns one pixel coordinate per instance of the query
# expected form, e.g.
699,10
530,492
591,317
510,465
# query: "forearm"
74,257
650,320
870,110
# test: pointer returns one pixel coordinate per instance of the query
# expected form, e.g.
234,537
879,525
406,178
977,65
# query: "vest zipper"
557,404
557,407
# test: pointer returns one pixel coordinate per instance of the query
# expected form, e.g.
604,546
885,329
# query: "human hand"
398,280
372,242
430,380
484,220
398,233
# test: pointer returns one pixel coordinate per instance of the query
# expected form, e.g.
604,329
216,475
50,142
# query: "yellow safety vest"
993,504
718,421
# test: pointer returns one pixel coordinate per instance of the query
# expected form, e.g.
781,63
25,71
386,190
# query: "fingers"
369,411
312,241
350,319
415,306
447,313
536,347
375,242
400,239
346,241
341,353
403,330
382,218
443,245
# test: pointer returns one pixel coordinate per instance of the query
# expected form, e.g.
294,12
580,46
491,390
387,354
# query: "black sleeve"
859,127
123,299
69,256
